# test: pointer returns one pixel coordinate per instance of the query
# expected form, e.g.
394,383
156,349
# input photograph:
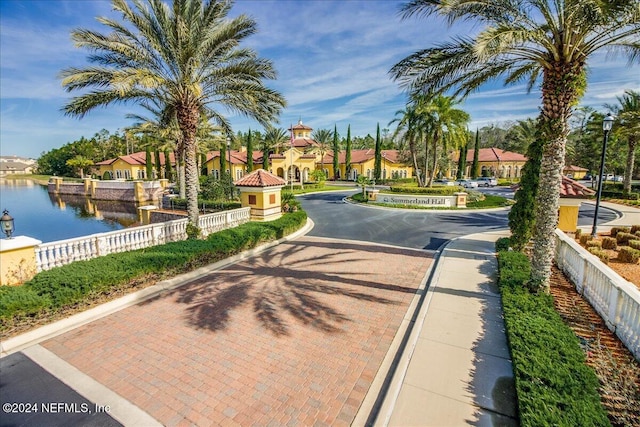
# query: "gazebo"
260,190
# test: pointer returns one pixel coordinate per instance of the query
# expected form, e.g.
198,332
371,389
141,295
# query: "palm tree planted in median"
532,41
185,54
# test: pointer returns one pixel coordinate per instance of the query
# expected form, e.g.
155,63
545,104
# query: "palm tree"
441,118
323,138
188,56
411,128
628,113
524,40
273,139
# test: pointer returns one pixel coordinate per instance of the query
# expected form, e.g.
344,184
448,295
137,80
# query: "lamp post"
607,124
229,163
6,222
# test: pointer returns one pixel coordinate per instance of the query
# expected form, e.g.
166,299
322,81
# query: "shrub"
609,243
502,244
578,233
635,244
634,229
629,255
584,238
63,286
553,383
603,255
594,244
623,238
616,230
438,191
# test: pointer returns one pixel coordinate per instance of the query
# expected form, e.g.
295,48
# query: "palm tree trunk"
631,158
559,92
414,158
188,116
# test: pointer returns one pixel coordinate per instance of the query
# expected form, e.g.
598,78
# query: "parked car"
443,181
486,181
618,178
467,183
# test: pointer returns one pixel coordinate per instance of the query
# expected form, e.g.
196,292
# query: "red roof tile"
138,158
260,178
361,156
494,155
571,188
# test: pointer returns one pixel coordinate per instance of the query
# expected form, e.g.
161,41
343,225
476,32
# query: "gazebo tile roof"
260,178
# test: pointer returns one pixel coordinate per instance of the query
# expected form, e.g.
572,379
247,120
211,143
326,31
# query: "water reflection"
124,213
50,217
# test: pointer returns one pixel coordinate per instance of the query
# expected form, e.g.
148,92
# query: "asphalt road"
413,228
420,229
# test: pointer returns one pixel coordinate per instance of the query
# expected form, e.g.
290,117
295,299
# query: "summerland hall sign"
457,200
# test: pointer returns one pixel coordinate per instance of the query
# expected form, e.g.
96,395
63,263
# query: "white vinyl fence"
61,252
615,299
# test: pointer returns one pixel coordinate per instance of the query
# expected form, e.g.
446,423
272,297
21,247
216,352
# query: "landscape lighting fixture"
6,222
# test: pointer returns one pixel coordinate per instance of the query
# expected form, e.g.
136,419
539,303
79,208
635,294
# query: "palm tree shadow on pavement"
284,287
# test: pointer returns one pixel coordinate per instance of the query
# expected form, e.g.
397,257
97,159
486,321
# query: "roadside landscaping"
553,384
62,291
565,360
475,199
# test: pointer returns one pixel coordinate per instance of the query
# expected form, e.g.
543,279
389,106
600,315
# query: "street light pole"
229,163
607,124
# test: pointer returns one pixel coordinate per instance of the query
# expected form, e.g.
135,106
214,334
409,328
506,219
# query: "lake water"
49,218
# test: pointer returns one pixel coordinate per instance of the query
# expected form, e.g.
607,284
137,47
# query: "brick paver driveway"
293,336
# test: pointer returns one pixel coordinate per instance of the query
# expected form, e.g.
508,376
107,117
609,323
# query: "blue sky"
332,58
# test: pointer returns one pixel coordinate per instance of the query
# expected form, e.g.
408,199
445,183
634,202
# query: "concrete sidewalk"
456,369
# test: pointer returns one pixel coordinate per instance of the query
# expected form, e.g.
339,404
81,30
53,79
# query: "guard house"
572,194
260,190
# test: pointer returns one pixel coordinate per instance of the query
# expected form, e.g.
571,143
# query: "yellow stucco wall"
264,208
568,218
17,260
127,171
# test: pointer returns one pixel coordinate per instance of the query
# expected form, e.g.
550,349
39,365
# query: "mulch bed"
618,371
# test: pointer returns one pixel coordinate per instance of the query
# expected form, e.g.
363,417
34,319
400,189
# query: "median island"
410,196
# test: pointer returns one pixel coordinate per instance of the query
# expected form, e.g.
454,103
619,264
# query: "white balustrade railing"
61,252
614,298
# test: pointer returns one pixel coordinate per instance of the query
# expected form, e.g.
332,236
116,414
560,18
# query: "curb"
374,401
54,329
388,400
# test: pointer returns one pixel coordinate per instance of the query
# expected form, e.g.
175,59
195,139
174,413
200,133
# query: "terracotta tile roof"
361,156
237,157
303,143
260,178
493,155
300,126
138,158
571,188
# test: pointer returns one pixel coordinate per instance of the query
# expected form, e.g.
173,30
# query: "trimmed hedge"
61,287
436,191
629,255
609,243
553,383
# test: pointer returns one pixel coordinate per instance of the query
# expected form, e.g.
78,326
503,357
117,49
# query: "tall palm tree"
323,137
411,128
274,139
442,119
525,40
628,113
187,55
